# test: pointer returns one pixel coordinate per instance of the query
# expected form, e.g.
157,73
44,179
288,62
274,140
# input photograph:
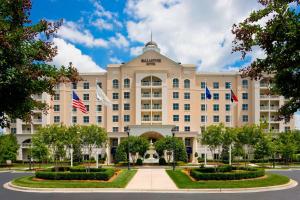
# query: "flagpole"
205,121
231,120
71,123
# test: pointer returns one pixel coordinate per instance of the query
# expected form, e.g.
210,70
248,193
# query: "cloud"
115,60
72,32
69,53
189,31
119,40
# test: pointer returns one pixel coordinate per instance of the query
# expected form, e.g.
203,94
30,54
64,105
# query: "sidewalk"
151,179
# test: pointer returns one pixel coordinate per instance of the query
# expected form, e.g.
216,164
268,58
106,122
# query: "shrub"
162,161
60,169
105,175
247,173
139,161
81,169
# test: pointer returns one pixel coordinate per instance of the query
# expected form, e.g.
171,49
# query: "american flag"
77,103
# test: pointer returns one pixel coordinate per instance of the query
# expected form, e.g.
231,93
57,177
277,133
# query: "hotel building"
152,94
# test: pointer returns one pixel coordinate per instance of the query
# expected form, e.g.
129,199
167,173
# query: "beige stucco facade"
153,94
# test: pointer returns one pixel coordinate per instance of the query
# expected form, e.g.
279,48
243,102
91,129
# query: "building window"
187,128
56,119
187,95
187,107
202,107
245,83
175,95
86,119
176,128
74,109
187,83
115,118
202,96
115,95
202,85
245,107
126,83
216,85
56,97
227,118
99,119
74,119
86,85
175,83
245,95
115,84
175,106
57,86
187,118
227,96
216,96
126,106
216,107
203,117
176,118
86,97
227,107
99,84
56,108
245,118
115,107
115,129
99,108
126,95
87,107
227,85
13,130
74,86
126,118
216,118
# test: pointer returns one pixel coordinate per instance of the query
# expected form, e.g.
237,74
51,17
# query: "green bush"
105,175
60,169
247,173
82,169
162,161
139,161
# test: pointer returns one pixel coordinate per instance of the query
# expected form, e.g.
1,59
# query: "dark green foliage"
162,161
139,161
209,174
60,169
8,148
279,39
25,52
81,169
105,175
225,168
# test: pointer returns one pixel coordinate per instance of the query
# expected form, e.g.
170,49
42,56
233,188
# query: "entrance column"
195,144
108,152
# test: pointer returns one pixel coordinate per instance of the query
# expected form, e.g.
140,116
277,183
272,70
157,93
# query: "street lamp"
127,130
173,135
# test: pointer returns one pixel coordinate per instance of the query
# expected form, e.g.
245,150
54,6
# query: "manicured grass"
119,182
183,181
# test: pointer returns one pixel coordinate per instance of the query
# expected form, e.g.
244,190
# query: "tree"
279,39
92,137
167,144
287,145
39,149
213,137
8,148
25,53
73,139
137,145
228,138
263,148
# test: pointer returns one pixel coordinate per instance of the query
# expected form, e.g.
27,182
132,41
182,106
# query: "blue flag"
207,93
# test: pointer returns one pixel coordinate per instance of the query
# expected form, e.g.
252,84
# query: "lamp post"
173,135
127,130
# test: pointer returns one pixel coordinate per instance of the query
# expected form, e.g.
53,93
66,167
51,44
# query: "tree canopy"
279,39
8,148
25,53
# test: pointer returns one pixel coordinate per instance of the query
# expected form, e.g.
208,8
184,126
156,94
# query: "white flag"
104,100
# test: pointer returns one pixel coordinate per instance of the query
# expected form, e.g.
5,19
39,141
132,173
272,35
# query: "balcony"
146,107
146,119
264,107
264,96
146,95
146,83
156,107
157,95
37,120
156,83
262,84
156,119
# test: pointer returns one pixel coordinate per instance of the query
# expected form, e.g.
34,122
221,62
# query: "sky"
100,32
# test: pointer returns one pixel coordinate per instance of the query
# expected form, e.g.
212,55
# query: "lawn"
119,182
183,181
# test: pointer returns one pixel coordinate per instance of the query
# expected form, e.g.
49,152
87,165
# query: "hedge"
105,175
81,169
234,175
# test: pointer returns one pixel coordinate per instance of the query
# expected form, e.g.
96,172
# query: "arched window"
186,83
175,83
115,84
126,83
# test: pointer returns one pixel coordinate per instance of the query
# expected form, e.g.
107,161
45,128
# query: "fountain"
151,156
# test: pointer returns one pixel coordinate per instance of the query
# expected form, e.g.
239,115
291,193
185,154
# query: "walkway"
151,179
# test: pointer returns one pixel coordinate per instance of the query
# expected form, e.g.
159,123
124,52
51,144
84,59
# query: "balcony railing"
156,119
264,85
146,83
146,119
156,107
264,107
146,107
146,95
156,83
37,120
156,94
264,96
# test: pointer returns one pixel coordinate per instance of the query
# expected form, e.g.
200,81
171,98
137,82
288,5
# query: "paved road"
291,194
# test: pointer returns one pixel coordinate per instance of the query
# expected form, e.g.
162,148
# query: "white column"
97,158
194,149
71,151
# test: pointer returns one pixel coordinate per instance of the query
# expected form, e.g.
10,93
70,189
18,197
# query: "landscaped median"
77,178
211,178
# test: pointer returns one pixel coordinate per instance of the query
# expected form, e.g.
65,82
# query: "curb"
10,186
